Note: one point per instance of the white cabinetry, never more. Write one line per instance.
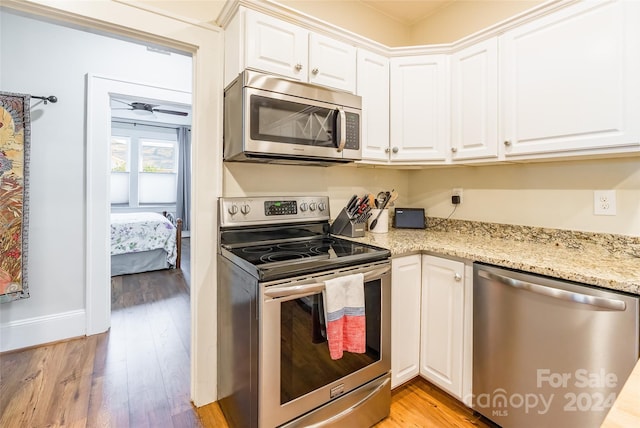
(405, 318)
(331, 63)
(445, 353)
(570, 81)
(474, 101)
(373, 86)
(256, 40)
(275, 46)
(419, 108)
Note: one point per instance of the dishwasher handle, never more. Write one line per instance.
(556, 293)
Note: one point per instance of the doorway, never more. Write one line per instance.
(51, 310)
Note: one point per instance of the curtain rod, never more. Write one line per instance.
(135, 123)
(50, 98)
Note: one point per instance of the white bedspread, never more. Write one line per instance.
(136, 232)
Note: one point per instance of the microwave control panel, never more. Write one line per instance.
(353, 131)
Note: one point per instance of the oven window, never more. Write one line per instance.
(294, 123)
(305, 364)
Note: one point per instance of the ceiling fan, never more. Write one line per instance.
(149, 108)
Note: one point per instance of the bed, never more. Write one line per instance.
(146, 241)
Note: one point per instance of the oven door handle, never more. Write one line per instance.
(316, 287)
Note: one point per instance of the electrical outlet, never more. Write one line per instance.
(457, 191)
(604, 202)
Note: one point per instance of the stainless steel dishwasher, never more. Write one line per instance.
(546, 352)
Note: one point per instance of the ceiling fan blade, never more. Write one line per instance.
(177, 113)
(123, 102)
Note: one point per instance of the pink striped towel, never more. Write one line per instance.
(345, 315)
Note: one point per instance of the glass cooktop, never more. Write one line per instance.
(288, 258)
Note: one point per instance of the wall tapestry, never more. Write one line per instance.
(14, 195)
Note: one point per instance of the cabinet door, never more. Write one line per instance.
(474, 101)
(570, 80)
(405, 318)
(419, 108)
(332, 63)
(442, 323)
(373, 87)
(275, 46)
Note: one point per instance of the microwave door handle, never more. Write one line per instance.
(343, 129)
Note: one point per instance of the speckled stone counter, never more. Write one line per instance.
(605, 260)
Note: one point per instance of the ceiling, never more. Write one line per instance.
(407, 12)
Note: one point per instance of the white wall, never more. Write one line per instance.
(555, 194)
(41, 58)
(337, 182)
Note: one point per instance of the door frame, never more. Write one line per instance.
(206, 44)
(100, 90)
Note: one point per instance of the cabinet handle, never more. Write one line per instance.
(315, 71)
(394, 150)
(457, 277)
(298, 67)
(387, 150)
(454, 149)
(507, 143)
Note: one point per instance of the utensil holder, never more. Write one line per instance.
(346, 226)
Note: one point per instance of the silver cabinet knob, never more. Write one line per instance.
(233, 209)
(394, 150)
(387, 150)
(457, 277)
(245, 209)
(454, 149)
(507, 143)
(298, 67)
(315, 71)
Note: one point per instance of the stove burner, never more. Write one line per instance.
(281, 256)
(258, 249)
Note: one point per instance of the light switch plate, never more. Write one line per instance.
(604, 202)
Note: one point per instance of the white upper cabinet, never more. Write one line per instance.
(373, 87)
(570, 81)
(331, 63)
(474, 101)
(275, 46)
(419, 108)
(279, 47)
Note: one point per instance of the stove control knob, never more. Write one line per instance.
(233, 209)
(304, 206)
(312, 206)
(322, 206)
(245, 209)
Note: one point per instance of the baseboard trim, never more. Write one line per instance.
(40, 330)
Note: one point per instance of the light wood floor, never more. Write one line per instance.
(137, 374)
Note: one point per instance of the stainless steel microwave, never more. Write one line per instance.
(278, 120)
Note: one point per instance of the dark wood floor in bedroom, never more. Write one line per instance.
(137, 374)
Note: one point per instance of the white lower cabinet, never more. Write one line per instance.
(405, 318)
(431, 323)
(442, 328)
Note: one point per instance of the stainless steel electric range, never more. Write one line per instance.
(274, 367)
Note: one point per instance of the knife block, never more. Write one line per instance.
(345, 226)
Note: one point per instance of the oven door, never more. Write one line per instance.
(293, 126)
(297, 373)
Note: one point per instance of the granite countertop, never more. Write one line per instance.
(605, 260)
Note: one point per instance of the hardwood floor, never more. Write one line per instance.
(137, 374)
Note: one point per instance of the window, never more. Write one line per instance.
(120, 161)
(144, 165)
